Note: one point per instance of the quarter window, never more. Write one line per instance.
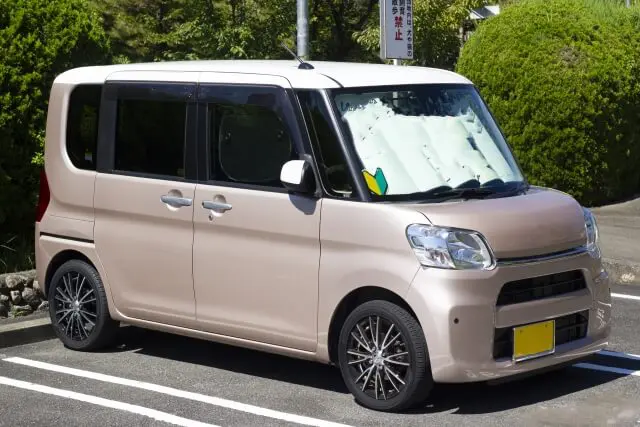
(150, 137)
(82, 125)
(329, 156)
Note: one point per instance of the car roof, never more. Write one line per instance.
(325, 74)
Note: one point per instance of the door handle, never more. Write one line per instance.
(216, 206)
(176, 201)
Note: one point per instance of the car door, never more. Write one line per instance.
(144, 195)
(256, 247)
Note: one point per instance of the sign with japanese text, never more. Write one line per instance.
(396, 29)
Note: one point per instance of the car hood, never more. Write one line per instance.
(540, 222)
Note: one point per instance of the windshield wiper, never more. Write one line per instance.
(447, 193)
(444, 192)
(464, 193)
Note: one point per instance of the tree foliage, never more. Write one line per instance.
(563, 79)
(341, 30)
(38, 40)
(150, 30)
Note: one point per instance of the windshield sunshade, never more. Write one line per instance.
(424, 137)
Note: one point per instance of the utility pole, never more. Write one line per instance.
(303, 29)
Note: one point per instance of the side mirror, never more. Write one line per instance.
(297, 176)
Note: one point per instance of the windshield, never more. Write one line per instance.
(423, 139)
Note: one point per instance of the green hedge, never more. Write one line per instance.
(563, 79)
(38, 40)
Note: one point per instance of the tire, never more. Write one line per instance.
(76, 300)
(410, 348)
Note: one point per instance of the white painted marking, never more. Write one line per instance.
(230, 404)
(619, 354)
(627, 372)
(625, 296)
(114, 404)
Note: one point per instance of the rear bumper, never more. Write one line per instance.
(461, 319)
(41, 261)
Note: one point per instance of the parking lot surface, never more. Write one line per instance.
(153, 378)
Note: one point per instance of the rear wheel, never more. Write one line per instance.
(383, 357)
(78, 307)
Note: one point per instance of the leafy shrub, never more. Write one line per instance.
(38, 40)
(563, 80)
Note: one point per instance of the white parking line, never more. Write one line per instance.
(256, 410)
(114, 404)
(619, 354)
(621, 371)
(625, 296)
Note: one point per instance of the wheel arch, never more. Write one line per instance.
(58, 260)
(350, 302)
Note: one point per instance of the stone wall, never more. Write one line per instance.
(20, 295)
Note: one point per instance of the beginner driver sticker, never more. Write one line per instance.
(377, 183)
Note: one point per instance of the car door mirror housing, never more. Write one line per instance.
(297, 176)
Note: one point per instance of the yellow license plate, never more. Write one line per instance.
(534, 340)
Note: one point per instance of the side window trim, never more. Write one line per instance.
(214, 93)
(113, 91)
(304, 99)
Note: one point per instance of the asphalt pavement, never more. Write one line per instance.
(152, 378)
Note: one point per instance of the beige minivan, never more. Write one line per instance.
(367, 216)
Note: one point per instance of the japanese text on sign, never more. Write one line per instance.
(396, 29)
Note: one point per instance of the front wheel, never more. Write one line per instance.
(383, 357)
(78, 307)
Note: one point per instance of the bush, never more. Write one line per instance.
(563, 80)
(38, 40)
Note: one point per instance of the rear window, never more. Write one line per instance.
(82, 125)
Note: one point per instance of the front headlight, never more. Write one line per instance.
(449, 248)
(591, 228)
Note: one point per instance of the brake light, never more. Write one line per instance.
(43, 197)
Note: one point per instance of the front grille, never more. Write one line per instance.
(568, 328)
(535, 288)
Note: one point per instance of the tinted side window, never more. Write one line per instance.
(150, 137)
(249, 142)
(82, 125)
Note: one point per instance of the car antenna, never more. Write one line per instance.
(303, 65)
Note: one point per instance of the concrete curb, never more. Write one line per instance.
(26, 332)
(622, 272)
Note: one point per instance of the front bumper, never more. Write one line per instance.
(461, 320)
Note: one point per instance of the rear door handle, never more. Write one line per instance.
(216, 206)
(175, 201)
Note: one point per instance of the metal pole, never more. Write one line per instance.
(397, 61)
(628, 3)
(303, 29)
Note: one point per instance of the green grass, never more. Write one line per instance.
(16, 253)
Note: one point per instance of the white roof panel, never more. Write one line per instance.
(324, 75)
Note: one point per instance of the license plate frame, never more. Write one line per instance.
(534, 340)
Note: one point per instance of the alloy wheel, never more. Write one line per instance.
(76, 309)
(378, 357)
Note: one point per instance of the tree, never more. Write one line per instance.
(148, 30)
(563, 79)
(151, 30)
(38, 40)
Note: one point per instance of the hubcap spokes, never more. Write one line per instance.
(378, 357)
(76, 310)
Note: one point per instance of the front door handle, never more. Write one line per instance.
(179, 202)
(216, 206)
